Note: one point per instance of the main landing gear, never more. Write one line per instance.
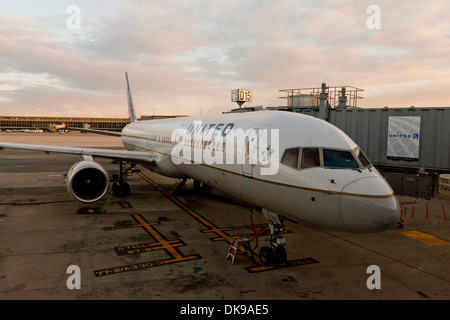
(120, 185)
(197, 185)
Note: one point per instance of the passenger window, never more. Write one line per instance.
(290, 158)
(310, 158)
(339, 159)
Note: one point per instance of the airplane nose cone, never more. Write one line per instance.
(369, 205)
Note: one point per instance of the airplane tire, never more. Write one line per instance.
(280, 255)
(267, 256)
(197, 184)
(126, 189)
(115, 189)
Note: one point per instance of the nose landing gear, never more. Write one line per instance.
(275, 254)
(269, 256)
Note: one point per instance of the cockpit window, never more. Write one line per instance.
(290, 158)
(310, 157)
(362, 158)
(339, 159)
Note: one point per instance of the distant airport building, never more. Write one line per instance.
(47, 123)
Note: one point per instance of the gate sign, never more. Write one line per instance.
(403, 138)
(240, 95)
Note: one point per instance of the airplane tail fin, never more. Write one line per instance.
(131, 112)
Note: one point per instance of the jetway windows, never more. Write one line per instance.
(339, 159)
(290, 158)
(310, 158)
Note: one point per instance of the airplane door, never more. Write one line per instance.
(250, 156)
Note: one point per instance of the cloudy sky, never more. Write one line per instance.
(185, 57)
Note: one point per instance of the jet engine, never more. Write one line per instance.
(87, 181)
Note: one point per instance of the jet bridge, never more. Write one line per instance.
(410, 146)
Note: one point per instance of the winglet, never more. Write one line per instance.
(131, 112)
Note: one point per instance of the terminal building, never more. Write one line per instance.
(49, 123)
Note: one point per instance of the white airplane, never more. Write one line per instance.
(323, 178)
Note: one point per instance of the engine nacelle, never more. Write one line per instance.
(87, 181)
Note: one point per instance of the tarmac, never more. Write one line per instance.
(160, 245)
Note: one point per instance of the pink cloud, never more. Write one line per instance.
(187, 56)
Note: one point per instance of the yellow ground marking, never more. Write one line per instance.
(161, 244)
(425, 238)
(166, 244)
(211, 227)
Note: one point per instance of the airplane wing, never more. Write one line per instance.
(145, 158)
(104, 132)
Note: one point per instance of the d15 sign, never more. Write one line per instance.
(240, 95)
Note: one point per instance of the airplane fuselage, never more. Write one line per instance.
(348, 195)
